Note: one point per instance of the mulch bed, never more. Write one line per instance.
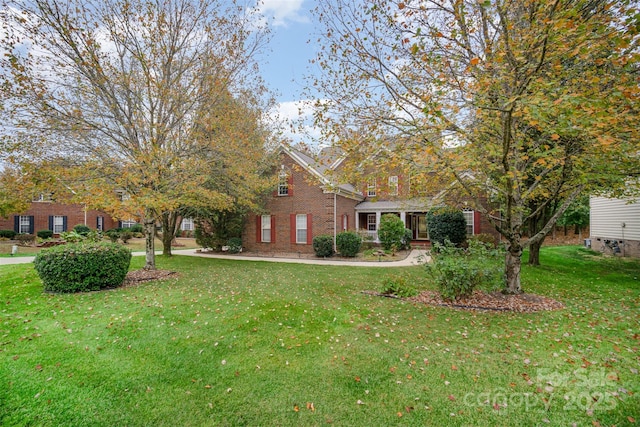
(494, 301)
(139, 276)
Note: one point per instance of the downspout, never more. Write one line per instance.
(335, 225)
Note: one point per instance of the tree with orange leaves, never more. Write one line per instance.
(527, 102)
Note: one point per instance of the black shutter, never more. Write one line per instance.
(16, 224)
(32, 222)
(51, 222)
(64, 223)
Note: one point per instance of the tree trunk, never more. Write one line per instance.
(513, 264)
(534, 253)
(150, 234)
(169, 229)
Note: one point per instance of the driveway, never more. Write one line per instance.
(416, 257)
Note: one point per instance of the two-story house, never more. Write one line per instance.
(307, 203)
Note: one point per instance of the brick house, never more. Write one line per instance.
(44, 214)
(307, 204)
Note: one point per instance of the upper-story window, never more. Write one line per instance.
(371, 188)
(393, 185)
(283, 183)
(43, 197)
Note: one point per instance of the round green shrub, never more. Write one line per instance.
(323, 246)
(8, 234)
(348, 243)
(125, 236)
(391, 231)
(447, 224)
(235, 245)
(137, 228)
(82, 229)
(113, 234)
(81, 267)
(45, 234)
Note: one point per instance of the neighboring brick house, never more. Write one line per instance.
(44, 214)
(307, 204)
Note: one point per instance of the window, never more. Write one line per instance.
(301, 228)
(371, 188)
(371, 222)
(100, 223)
(127, 224)
(468, 216)
(265, 227)
(186, 224)
(283, 184)
(393, 185)
(25, 225)
(58, 224)
(43, 197)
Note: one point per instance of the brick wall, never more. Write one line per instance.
(306, 197)
(74, 213)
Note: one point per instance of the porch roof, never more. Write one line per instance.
(412, 205)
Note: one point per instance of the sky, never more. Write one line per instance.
(287, 64)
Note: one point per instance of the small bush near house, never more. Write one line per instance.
(125, 236)
(323, 246)
(137, 228)
(486, 239)
(8, 234)
(82, 229)
(113, 235)
(235, 245)
(399, 286)
(447, 224)
(458, 271)
(348, 243)
(391, 232)
(72, 236)
(45, 234)
(25, 239)
(367, 239)
(82, 267)
(406, 239)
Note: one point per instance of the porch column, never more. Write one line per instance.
(378, 216)
(403, 217)
(357, 221)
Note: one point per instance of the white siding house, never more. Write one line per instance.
(615, 226)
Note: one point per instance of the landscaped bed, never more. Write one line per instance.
(225, 342)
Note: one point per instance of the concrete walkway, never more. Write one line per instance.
(416, 257)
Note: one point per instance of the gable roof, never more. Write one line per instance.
(319, 170)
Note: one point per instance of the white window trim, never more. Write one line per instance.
(187, 224)
(371, 188)
(393, 185)
(468, 216)
(300, 219)
(265, 232)
(25, 223)
(127, 223)
(58, 224)
(283, 184)
(372, 223)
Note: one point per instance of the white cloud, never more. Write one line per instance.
(295, 120)
(283, 11)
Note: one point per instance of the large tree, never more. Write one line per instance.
(527, 102)
(122, 89)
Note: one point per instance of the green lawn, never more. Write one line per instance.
(258, 343)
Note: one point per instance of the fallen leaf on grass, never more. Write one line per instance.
(311, 407)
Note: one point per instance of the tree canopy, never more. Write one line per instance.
(526, 102)
(131, 96)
